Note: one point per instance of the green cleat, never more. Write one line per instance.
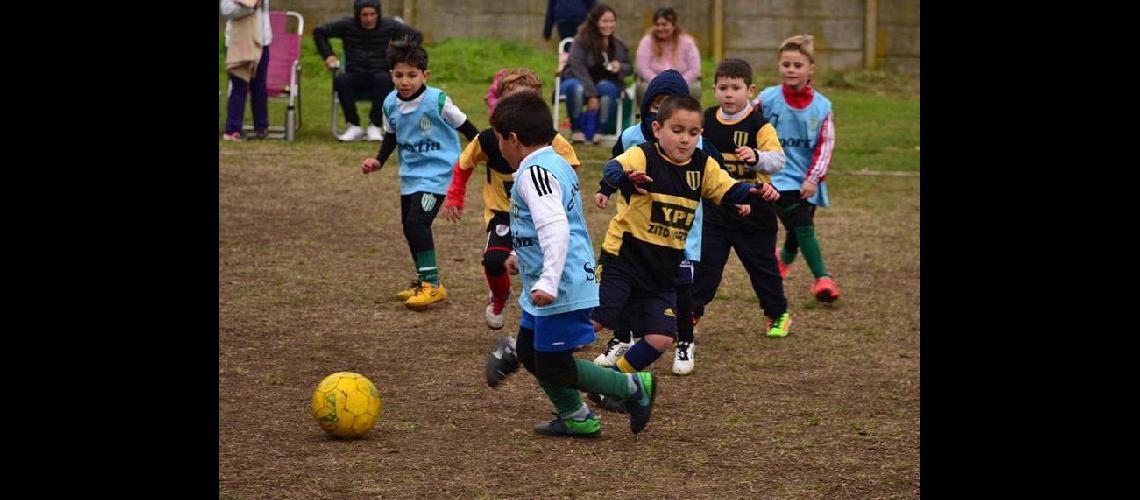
(639, 406)
(589, 427)
(780, 327)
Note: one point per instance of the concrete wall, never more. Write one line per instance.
(753, 29)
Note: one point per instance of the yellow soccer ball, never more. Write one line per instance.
(346, 404)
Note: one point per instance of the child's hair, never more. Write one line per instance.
(802, 44)
(527, 115)
(733, 68)
(678, 102)
(408, 52)
(518, 77)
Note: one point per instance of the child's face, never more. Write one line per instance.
(408, 79)
(732, 94)
(795, 69)
(679, 134)
(511, 149)
(656, 104)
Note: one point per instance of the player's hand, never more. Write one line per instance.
(744, 210)
(600, 200)
(593, 104)
(807, 189)
(747, 154)
(371, 165)
(540, 298)
(453, 213)
(766, 191)
(638, 177)
(331, 62)
(512, 264)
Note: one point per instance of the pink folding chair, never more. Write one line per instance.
(283, 80)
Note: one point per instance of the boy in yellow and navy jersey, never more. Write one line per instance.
(662, 183)
(752, 153)
(496, 200)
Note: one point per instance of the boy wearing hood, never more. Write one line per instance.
(668, 83)
(366, 36)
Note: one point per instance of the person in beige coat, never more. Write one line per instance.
(248, 35)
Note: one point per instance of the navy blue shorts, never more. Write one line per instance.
(648, 311)
(560, 332)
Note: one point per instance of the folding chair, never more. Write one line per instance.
(559, 97)
(283, 77)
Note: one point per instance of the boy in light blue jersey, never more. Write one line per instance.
(422, 121)
(804, 123)
(668, 83)
(554, 258)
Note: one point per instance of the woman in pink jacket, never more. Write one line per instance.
(667, 46)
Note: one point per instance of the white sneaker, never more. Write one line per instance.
(494, 321)
(683, 358)
(354, 133)
(374, 133)
(614, 350)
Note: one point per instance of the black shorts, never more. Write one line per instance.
(647, 311)
(499, 232)
(685, 273)
(794, 211)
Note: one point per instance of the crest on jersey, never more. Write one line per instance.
(425, 124)
(740, 138)
(502, 229)
(813, 123)
(427, 201)
(693, 179)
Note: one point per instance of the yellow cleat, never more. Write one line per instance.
(407, 293)
(427, 295)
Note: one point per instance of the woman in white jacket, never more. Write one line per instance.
(235, 107)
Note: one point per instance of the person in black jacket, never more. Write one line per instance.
(366, 36)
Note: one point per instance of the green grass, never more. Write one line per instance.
(876, 113)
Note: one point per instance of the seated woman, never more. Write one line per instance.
(667, 46)
(594, 74)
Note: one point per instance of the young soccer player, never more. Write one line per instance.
(496, 200)
(424, 120)
(803, 119)
(555, 262)
(751, 153)
(667, 83)
(662, 183)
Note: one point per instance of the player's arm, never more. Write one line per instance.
(626, 170)
(456, 118)
(566, 151)
(543, 196)
(721, 189)
(768, 156)
(461, 173)
(821, 158)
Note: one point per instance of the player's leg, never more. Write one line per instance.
(561, 376)
(614, 288)
(683, 354)
(417, 230)
(791, 244)
(800, 215)
(714, 256)
(756, 249)
(495, 255)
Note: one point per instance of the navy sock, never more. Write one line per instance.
(638, 357)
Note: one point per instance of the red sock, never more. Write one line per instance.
(500, 289)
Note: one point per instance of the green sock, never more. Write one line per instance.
(810, 247)
(593, 378)
(426, 267)
(566, 400)
(787, 257)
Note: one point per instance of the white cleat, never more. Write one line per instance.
(683, 358)
(614, 351)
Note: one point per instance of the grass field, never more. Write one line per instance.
(309, 248)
